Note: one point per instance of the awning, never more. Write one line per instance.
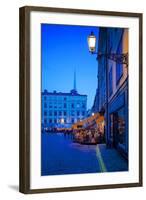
(100, 119)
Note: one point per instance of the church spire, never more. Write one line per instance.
(74, 90)
(75, 80)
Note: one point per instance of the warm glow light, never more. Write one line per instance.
(92, 114)
(62, 121)
(92, 42)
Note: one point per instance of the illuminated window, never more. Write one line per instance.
(121, 125)
(117, 127)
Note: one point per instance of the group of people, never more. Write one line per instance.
(91, 136)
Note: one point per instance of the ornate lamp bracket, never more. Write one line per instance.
(119, 58)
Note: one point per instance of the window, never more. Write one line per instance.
(72, 120)
(50, 120)
(110, 82)
(83, 113)
(45, 113)
(50, 113)
(60, 113)
(78, 105)
(45, 121)
(55, 121)
(55, 113)
(72, 113)
(117, 127)
(111, 125)
(64, 113)
(83, 105)
(78, 113)
(64, 105)
(121, 125)
(72, 105)
(45, 105)
(119, 66)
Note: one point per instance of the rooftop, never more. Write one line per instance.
(55, 93)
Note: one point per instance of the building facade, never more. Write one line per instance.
(118, 93)
(113, 87)
(62, 109)
(100, 97)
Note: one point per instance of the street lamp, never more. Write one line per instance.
(118, 58)
(92, 43)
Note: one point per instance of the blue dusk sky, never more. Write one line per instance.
(65, 50)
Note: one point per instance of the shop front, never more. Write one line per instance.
(118, 123)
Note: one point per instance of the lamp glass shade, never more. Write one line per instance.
(92, 42)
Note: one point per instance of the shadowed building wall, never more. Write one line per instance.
(117, 129)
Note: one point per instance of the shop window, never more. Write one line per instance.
(117, 127)
(121, 125)
(111, 125)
